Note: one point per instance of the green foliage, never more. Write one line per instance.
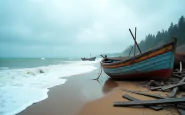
(163, 37)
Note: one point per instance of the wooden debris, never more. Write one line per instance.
(150, 102)
(169, 86)
(145, 94)
(181, 106)
(153, 83)
(155, 88)
(176, 75)
(176, 89)
(183, 72)
(181, 111)
(174, 92)
(157, 108)
(172, 86)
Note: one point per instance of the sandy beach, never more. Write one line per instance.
(81, 95)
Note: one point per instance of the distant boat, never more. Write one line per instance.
(156, 64)
(89, 59)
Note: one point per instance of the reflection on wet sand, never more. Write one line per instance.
(109, 85)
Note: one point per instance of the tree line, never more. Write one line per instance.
(162, 37)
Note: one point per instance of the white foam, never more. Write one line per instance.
(20, 88)
(4, 68)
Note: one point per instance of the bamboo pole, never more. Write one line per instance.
(135, 41)
(130, 51)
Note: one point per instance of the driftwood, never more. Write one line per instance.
(145, 94)
(153, 83)
(172, 86)
(155, 88)
(169, 86)
(183, 72)
(174, 92)
(181, 106)
(181, 111)
(157, 108)
(150, 102)
(176, 89)
(176, 75)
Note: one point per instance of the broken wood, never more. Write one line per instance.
(155, 88)
(153, 83)
(157, 108)
(168, 86)
(181, 106)
(172, 86)
(181, 111)
(145, 94)
(176, 89)
(150, 102)
(174, 92)
(179, 76)
(183, 72)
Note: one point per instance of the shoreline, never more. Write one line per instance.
(81, 95)
(60, 97)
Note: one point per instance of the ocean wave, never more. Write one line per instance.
(32, 84)
(4, 68)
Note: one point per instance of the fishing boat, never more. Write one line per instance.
(155, 64)
(89, 59)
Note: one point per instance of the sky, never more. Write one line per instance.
(76, 28)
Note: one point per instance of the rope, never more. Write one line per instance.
(99, 74)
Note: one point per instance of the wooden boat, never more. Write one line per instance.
(154, 64)
(89, 59)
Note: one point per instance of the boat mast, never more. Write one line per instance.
(130, 51)
(135, 41)
(135, 44)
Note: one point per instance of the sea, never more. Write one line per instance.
(25, 81)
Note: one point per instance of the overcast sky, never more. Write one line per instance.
(67, 28)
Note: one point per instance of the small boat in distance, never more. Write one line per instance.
(89, 59)
(155, 64)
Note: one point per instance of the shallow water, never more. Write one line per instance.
(21, 86)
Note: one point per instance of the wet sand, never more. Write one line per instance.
(81, 95)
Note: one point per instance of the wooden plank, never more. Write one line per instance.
(169, 86)
(150, 102)
(181, 106)
(179, 72)
(172, 86)
(175, 90)
(155, 88)
(179, 76)
(181, 111)
(157, 108)
(145, 94)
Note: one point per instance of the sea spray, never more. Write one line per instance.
(20, 88)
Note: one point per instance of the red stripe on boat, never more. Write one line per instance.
(157, 75)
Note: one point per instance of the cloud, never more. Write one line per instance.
(43, 26)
